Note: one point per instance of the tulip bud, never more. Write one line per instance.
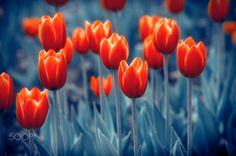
(175, 6)
(52, 69)
(32, 107)
(7, 91)
(191, 57)
(68, 49)
(31, 26)
(133, 79)
(52, 32)
(95, 85)
(80, 40)
(113, 50)
(96, 32)
(166, 35)
(56, 2)
(113, 5)
(218, 10)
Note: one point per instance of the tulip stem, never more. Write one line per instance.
(118, 112)
(2, 141)
(134, 126)
(56, 119)
(85, 86)
(100, 84)
(189, 152)
(116, 21)
(31, 141)
(166, 98)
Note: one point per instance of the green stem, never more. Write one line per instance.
(31, 141)
(100, 84)
(166, 98)
(134, 126)
(189, 152)
(56, 119)
(118, 112)
(85, 86)
(116, 21)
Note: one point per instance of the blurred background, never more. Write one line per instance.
(19, 53)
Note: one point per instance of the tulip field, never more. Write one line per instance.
(118, 78)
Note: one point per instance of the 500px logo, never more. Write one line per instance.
(22, 135)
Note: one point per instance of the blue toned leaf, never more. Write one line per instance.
(108, 148)
(126, 142)
(177, 149)
(77, 147)
(231, 149)
(41, 147)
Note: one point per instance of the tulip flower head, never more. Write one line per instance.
(52, 69)
(32, 107)
(80, 40)
(166, 35)
(7, 91)
(133, 79)
(191, 57)
(146, 25)
(175, 6)
(153, 57)
(95, 85)
(96, 32)
(113, 5)
(56, 2)
(52, 32)
(218, 10)
(31, 26)
(113, 50)
(68, 49)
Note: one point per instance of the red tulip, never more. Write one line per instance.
(7, 91)
(52, 32)
(95, 85)
(96, 32)
(229, 27)
(57, 2)
(80, 40)
(68, 49)
(31, 26)
(175, 6)
(153, 57)
(113, 50)
(191, 57)
(218, 10)
(166, 35)
(32, 107)
(133, 79)
(113, 5)
(146, 25)
(52, 69)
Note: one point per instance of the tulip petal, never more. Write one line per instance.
(61, 70)
(107, 85)
(143, 73)
(47, 35)
(94, 85)
(51, 66)
(181, 54)
(104, 52)
(118, 52)
(202, 49)
(193, 62)
(121, 70)
(136, 63)
(131, 82)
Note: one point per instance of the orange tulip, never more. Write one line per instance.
(52, 69)
(52, 32)
(7, 91)
(191, 57)
(218, 10)
(31, 26)
(229, 27)
(153, 57)
(57, 2)
(166, 35)
(68, 49)
(113, 5)
(146, 25)
(95, 85)
(113, 50)
(80, 40)
(32, 107)
(96, 32)
(133, 79)
(175, 6)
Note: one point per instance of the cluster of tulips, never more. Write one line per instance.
(160, 36)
